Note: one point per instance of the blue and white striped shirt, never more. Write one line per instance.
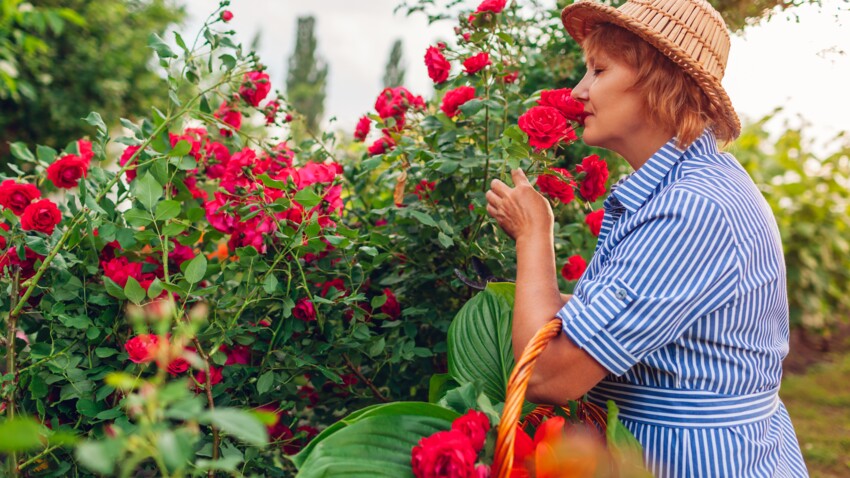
(685, 303)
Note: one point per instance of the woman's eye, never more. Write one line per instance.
(597, 71)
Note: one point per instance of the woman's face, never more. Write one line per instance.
(616, 114)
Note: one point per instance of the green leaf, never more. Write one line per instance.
(160, 47)
(166, 210)
(147, 190)
(99, 456)
(270, 284)
(95, 120)
(239, 423)
(134, 291)
(445, 240)
(104, 352)
(620, 439)
(180, 149)
(423, 218)
(471, 107)
(45, 154)
(438, 385)
(195, 269)
(19, 150)
(375, 442)
(19, 434)
(265, 382)
(155, 289)
(308, 198)
(479, 340)
(137, 218)
(114, 289)
(87, 407)
(37, 244)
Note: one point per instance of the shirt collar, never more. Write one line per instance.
(636, 188)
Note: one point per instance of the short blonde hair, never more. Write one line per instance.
(672, 98)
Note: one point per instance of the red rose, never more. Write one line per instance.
(17, 196)
(456, 97)
(226, 16)
(229, 116)
(255, 87)
(562, 100)
(391, 307)
(66, 171)
(544, 126)
(594, 221)
(475, 426)
(27, 264)
(574, 268)
(238, 354)
(142, 348)
(270, 111)
(511, 77)
(381, 146)
(494, 6)
(337, 284)
(5, 227)
(362, 128)
(466, 36)
(444, 454)
(396, 101)
(438, 66)
(555, 187)
(423, 188)
(304, 310)
(85, 151)
(201, 377)
(41, 216)
(125, 158)
(596, 175)
(177, 366)
(119, 269)
(476, 63)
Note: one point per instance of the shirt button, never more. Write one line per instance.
(621, 294)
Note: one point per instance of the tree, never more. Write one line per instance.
(307, 76)
(394, 73)
(99, 64)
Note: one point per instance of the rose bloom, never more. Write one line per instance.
(444, 454)
(555, 187)
(142, 348)
(574, 268)
(85, 151)
(270, 111)
(423, 188)
(5, 227)
(544, 125)
(594, 221)
(26, 265)
(476, 63)
(226, 16)
(455, 98)
(475, 426)
(255, 87)
(119, 269)
(438, 66)
(562, 100)
(229, 116)
(396, 101)
(17, 196)
(596, 174)
(41, 216)
(362, 128)
(66, 171)
(125, 158)
(304, 310)
(177, 366)
(494, 6)
(381, 146)
(511, 77)
(391, 307)
(201, 377)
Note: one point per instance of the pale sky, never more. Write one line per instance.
(804, 66)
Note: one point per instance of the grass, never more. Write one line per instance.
(819, 404)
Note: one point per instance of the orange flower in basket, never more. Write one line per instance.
(557, 452)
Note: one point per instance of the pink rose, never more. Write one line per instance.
(229, 116)
(226, 16)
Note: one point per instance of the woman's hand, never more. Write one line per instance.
(521, 210)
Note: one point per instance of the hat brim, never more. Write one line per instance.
(581, 17)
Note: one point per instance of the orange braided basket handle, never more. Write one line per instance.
(515, 396)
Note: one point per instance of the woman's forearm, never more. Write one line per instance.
(537, 296)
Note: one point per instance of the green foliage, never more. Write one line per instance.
(394, 71)
(810, 198)
(74, 56)
(307, 75)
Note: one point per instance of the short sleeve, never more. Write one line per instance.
(677, 261)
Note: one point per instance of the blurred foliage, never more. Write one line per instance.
(307, 76)
(70, 57)
(394, 71)
(810, 197)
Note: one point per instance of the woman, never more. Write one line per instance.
(681, 317)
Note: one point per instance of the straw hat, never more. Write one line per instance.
(689, 32)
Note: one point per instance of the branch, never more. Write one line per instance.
(364, 379)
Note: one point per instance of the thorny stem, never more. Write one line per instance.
(208, 386)
(12, 325)
(365, 380)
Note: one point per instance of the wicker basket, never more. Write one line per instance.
(515, 396)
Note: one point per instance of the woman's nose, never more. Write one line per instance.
(580, 90)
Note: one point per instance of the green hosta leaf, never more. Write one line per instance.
(167, 210)
(619, 437)
(479, 340)
(238, 423)
(374, 441)
(195, 269)
(147, 190)
(134, 291)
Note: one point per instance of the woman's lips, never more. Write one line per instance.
(582, 117)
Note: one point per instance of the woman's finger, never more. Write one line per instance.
(519, 177)
(499, 187)
(491, 210)
(492, 197)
